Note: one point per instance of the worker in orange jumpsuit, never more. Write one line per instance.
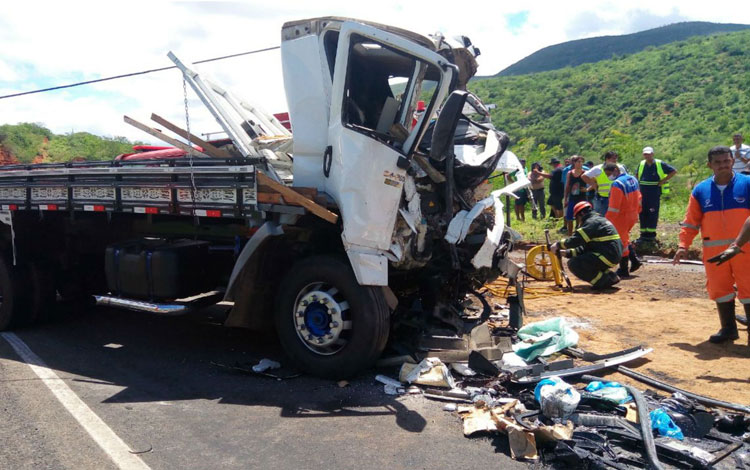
(623, 210)
(719, 207)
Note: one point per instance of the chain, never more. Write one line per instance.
(193, 188)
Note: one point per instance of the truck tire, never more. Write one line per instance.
(14, 297)
(328, 324)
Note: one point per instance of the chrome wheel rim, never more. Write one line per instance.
(322, 319)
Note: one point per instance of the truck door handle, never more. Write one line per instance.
(327, 159)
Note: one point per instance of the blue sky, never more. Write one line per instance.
(516, 21)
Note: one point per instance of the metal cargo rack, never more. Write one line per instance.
(203, 187)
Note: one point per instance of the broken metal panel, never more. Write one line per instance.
(225, 119)
(603, 365)
(371, 269)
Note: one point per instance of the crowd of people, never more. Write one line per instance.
(718, 208)
(574, 180)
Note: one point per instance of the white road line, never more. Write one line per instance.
(110, 443)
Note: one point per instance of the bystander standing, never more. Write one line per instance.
(741, 154)
(537, 190)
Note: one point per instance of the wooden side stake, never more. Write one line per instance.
(292, 196)
(207, 147)
(161, 136)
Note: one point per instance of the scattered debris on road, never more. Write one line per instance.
(503, 380)
(279, 373)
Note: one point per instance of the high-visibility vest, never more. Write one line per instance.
(603, 183)
(659, 171)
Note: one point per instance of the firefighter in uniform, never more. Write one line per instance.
(719, 207)
(593, 249)
(624, 207)
(653, 177)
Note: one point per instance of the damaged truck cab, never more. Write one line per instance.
(415, 217)
(348, 84)
(386, 211)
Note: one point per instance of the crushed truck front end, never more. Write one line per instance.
(418, 219)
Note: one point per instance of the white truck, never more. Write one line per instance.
(326, 234)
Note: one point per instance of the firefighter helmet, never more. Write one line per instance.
(581, 206)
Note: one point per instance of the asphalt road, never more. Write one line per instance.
(155, 382)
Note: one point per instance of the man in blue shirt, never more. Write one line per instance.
(653, 175)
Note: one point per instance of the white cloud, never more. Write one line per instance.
(54, 43)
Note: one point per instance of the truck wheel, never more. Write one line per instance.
(43, 295)
(328, 324)
(13, 297)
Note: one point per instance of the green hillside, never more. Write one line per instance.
(27, 143)
(581, 51)
(681, 98)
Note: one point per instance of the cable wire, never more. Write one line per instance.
(133, 74)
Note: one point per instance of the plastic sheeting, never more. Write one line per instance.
(544, 338)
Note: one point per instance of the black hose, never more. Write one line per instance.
(449, 183)
(645, 420)
(666, 387)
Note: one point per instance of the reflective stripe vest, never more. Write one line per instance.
(659, 171)
(603, 183)
(719, 215)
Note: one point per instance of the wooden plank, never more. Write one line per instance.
(268, 196)
(292, 196)
(309, 193)
(273, 198)
(161, 136)
(207, 147)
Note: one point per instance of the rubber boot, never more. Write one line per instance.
(635, 263)
(742, 319)
(728, 331)
(608, 280)
(623, 271)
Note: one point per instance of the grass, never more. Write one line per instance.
(671, 213)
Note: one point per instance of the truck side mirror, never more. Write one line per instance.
(445, 127)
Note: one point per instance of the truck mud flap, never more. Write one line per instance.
(268, 229)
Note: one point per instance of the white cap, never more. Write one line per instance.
(648, 150)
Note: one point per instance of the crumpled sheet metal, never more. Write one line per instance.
(477, 420)
(431, 371)
(521, 439)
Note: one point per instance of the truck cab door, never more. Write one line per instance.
(376, 84)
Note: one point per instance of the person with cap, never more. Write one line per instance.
(741, 154)
(596, 177)
(593, 249)
(719, 207)
(653, 178)
(556, 189)
(623, 208)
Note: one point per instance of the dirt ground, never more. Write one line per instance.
(664, 307)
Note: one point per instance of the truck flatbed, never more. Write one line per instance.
(202, 188)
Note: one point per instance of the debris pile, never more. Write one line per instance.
(531, 385)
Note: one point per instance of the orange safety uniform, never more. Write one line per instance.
(624, 207)
(719, 215)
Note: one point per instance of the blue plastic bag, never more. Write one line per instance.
(556, 398)
(663, 423)
(611, 391)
